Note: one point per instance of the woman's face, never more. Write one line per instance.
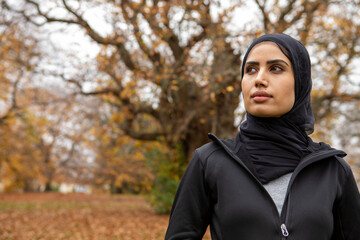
(268, 83)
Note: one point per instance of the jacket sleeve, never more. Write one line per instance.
(347, 210)
(190, 214)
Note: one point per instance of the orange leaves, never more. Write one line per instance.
(120, 160)
(212, 97)
(173, 87)
(229, 88)
(129, 91)
(79, 217)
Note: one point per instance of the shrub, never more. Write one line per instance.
(168, 167)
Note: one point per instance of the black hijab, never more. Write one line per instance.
(276, 145)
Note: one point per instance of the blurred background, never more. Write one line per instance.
(113, 96)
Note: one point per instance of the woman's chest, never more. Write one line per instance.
(240, 202)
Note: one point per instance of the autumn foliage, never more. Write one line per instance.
(165, 73)
(79, 217)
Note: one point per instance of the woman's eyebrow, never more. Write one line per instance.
(252, 63)
(276, 61)
(268, 62)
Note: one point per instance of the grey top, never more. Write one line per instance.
(277, 189)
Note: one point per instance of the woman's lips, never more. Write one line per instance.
(260, 96)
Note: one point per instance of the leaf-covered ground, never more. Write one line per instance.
(78, 216)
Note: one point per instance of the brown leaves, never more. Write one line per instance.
(79, 217)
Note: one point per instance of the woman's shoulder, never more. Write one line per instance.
(336, 154)
(344, 165)
(207, 150)
(217, 144)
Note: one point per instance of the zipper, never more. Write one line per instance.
(277, 215)
(284, 231)
(308, 160)
(311, 158)
(285, 209)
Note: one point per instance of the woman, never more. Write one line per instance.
(271, 181)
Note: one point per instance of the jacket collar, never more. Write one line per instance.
(318, 152)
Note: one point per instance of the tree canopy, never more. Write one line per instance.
(168, 72)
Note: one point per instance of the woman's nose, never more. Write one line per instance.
(261, 79)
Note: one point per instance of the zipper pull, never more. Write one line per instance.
(284, 230)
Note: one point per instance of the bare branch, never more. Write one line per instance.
(287, 10)
(309, 10)
(104, 91)
(14, 106)
(187, 120)
(79, 20)
(166, 34)
(319, 101)
(143, 107)
(128, 130)
(152, 55)
(266, 19)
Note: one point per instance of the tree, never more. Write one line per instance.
(17, 52)
(32, 115)
(193, 95)
(178, 62)
(16, 55)
(120, 161)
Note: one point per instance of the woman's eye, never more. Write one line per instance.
(277, 69)
(250, 70)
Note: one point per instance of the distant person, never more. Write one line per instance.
(271, 181)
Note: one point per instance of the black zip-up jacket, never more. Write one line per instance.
(220, 189)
